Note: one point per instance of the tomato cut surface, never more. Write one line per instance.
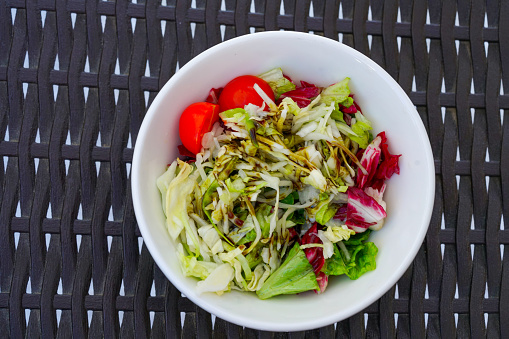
(196, 120)
(240, 92)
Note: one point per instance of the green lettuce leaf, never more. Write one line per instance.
(337, 115)
(291, 198)
(297, 217)
(250, 236)
(358, 238)
(240, 212)
(347, 102)
(362, 260)
(277, 81)
(361, 128)
(362, 257)
(291, 106)
(323, 196)
(238, 113)
(340, 122)
(325, 213)
(337, 93)
(362, 131)
(335, 265)
(295, 275)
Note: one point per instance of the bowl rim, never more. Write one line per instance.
(253, 323)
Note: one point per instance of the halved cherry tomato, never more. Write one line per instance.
(240, 92)
(196, 120)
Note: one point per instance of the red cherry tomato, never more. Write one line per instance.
(240, 92)
(196, 120)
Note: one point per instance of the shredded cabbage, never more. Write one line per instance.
(217, 281)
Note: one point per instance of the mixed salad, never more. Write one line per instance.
(279, 187)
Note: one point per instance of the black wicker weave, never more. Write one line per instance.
(76, 78)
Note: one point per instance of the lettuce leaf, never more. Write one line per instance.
(335, 264)
(337, 115)
(250, 236)
(337, 93)
(361, 128)
(297, 217)
(291, 198)
(362, 260)
(291, 106)
(357, 238)
(277, 81)
(295, 275)
(325, 213)
(235, 115)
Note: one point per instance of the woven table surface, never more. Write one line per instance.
(76, 78)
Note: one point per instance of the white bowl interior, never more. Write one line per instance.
(409, 196)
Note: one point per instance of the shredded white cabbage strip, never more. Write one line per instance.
(265, 97)
(282, 221)
(303, 247)
(328, 247)
(283, 205)
(272, 182)
(258, 228)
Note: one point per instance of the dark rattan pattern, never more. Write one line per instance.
(76, 78)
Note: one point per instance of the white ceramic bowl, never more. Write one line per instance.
(318, 60)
